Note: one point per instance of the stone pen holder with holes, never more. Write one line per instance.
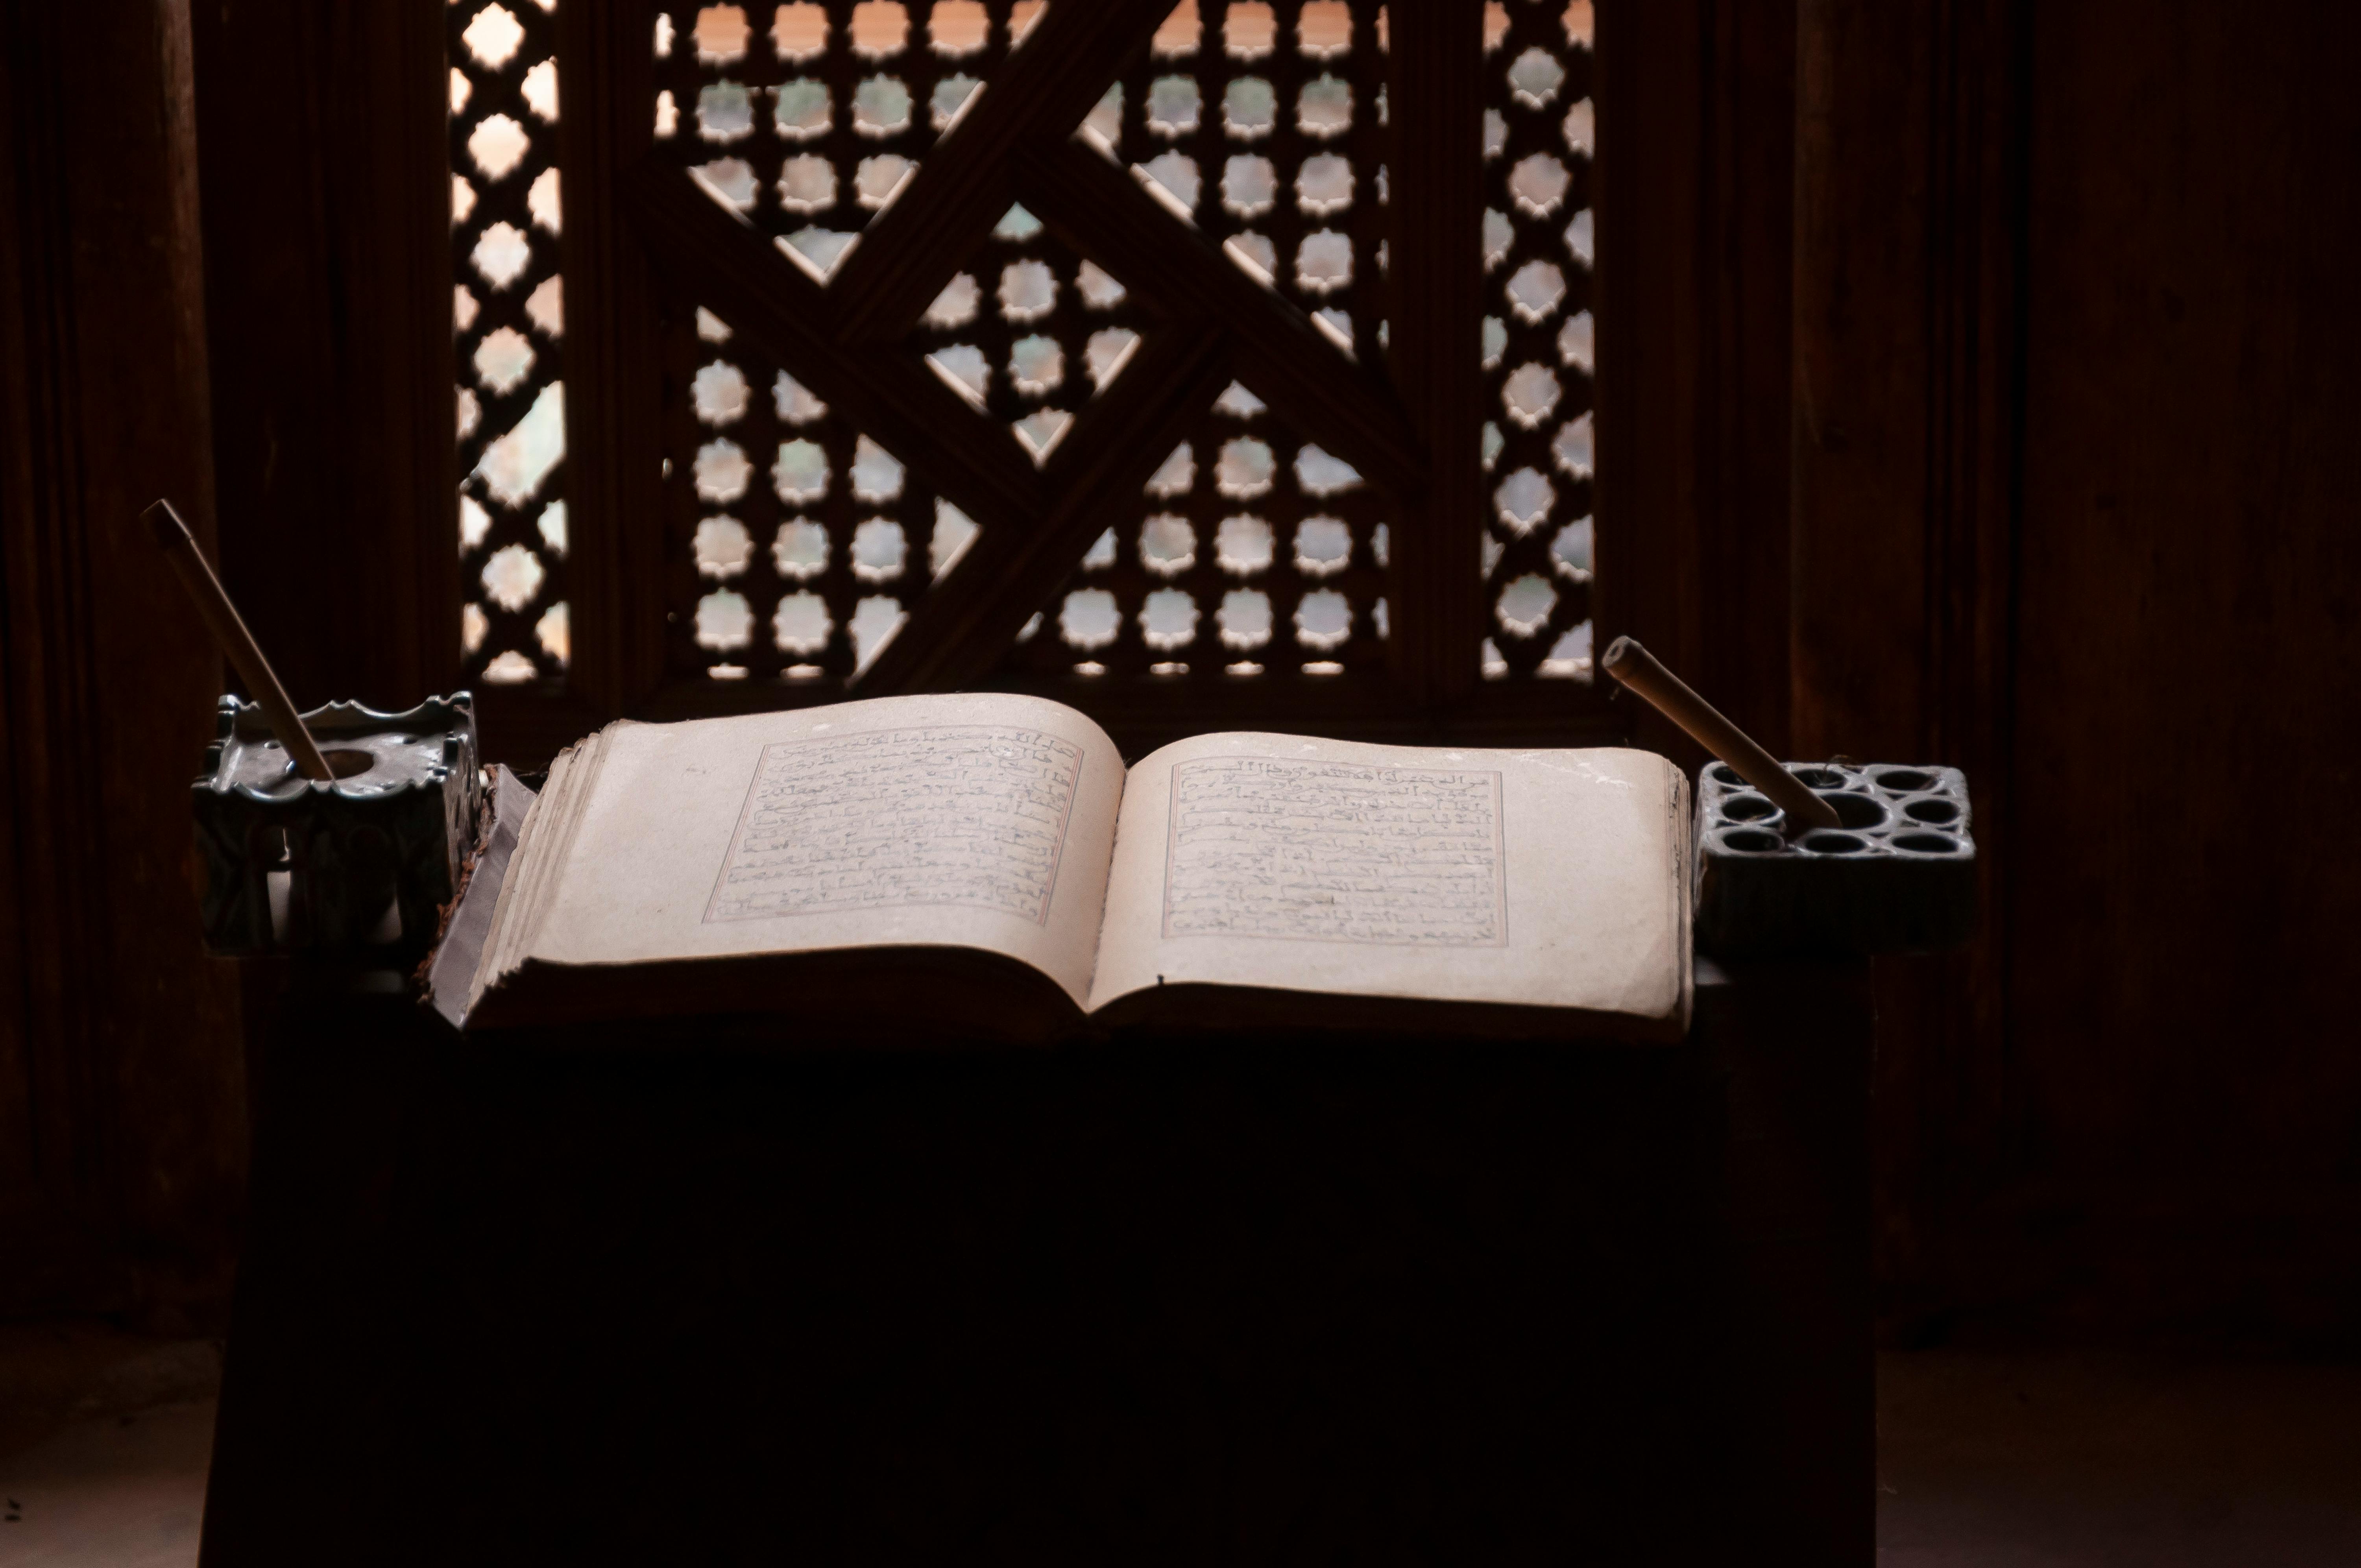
(1897, 875)
(356, 867)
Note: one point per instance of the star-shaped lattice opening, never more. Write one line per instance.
(1264, 125)
(1251, 554)
(809, 119)
(508, 327)
(1027, 333)
(1540, 436)
(800, 544)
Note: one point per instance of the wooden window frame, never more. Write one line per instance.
(1693, 188)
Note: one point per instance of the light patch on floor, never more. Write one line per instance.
(122, 1491)
(1985, 1460)
(2074, 1459)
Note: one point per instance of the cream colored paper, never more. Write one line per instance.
(975, 820)
(1545, 878)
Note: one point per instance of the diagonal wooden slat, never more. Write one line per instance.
(719, 259)
(911, 249)
(960, 628)
(1100, 210)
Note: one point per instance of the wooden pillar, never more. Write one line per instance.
(1909, 201)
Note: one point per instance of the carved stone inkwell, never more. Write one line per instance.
(1897, 874)
(1815, 861)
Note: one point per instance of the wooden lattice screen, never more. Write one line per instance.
(1217, 364)
(508, 312)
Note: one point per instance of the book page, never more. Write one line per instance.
(974, 821)
(1544, 878)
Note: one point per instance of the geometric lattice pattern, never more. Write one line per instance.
(1027, 333)
(509, 318)
(796, 545)
(799, 543)
(1264, 124)
(1252, 553)
(1539, 247)
(809, 119)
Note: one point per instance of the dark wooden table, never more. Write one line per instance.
(1162, 1299)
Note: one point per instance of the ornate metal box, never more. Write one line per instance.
(357, 866)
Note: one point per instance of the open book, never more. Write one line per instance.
(988, 861)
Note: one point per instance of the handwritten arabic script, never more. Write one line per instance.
(967, 814)
(1335, 853)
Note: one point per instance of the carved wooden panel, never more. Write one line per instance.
(795, 543)
(1540, 245)
(1027, 333)
(1266, 124)
(809, 118)
(1055, 347)
(508, 312)
(1250, 551)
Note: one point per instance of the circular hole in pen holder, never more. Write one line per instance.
(1903, 780)
(1926, 843)
(1748, 809)
(1826, 841)
(1751, 841)
(1935, 810)
(1723, 774)
(1857, 810)
(1820, 778)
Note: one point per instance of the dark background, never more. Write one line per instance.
(1986, 390)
